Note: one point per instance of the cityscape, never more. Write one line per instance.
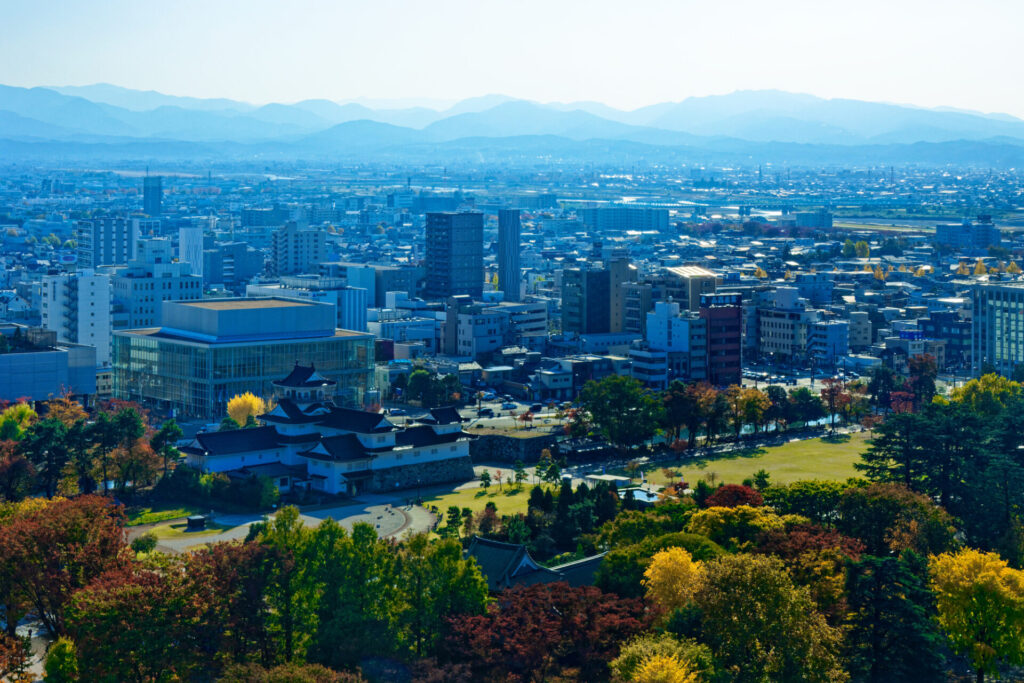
(406, 385)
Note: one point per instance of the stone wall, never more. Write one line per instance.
(498, 448)
(422, 474)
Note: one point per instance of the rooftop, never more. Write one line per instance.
(243, 304)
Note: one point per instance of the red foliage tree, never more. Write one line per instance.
(795, 541)
(533, 632)
(17, 475)
(732, 495)
(52, 551)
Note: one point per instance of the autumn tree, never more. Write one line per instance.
(44, 444)
(672, 579)
(731, 495)
(888, 518)
(164, 439)
(17, 474)
(761, 627)
(242, 407)
(980, 602)
(639, 651)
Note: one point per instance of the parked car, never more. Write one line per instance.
(398, 412)
(485, 412)
(508, 405)
(536, 408)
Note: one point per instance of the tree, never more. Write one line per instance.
(862, 249)
(762, 627)
(62, 662)
(286, 673)
(923, 371)
(641, 649)
(485, 479)
(681, 410)
(15, 656)
(664, 669)
(672, 579)
(243, 406)
(806, 405)
(888, 518)
(45, 446)
(896, 453)
(52, 550)
(731, 495)
(980, 602)
(814, 499)
(849, 248)
(891, 632)
(65, 409)
(520, 473)
(361, 597)
(15, 419)
(881, 384)
(437, 584)
(164, 440)
(987, 395)
(620, 408)
(533, 632)
(17, 475)
(835, 397)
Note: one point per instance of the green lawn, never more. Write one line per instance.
(804, 459)
(138, 515)
(177, 530)
(509, 501)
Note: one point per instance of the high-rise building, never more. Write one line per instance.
(140, 288)
(724, 317)
(625, 218)
(997, 332)
(297, 250)
(106, 241)
(454, 254)
(190, 248)
(152, 195)
(77, 307)
(586, 300)
(509, 227)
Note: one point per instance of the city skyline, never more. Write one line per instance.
(564, 52)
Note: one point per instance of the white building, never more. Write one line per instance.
(190, 248)
(77, 307)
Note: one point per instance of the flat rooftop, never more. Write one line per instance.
(243, 304)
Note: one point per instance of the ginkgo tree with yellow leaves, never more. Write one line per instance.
(245, 406)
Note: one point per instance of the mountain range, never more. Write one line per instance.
(102, 118)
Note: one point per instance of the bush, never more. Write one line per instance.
(188, 485)
(61, 662)
(286, 673)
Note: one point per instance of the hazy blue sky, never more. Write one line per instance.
(627, 53)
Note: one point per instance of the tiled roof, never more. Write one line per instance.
(235, 441)
(358, 421)
(340, 449)
(424, 435)
(446, 415)
(302, 376)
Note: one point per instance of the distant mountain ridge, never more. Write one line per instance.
(745, 120)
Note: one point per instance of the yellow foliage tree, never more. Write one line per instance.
(760, 273)
(241, 407)
(962, 269)
(879, 273)
(1013, 268)
(663, 669)
(980, 602)
(920, 272)
(788, 275)
(979, 267)
(672, 578)
(867, 268)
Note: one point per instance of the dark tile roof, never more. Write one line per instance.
(294, 414)
(234, 441)
(358, 421)
(507, 564)
(581, 572)
(301, 376)
(340, 449)
(446, 416)
(424, 435)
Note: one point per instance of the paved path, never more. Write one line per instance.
(389, 514)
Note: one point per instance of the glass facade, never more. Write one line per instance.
(195, 379)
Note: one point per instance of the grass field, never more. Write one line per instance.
(804, 459)
(138, 515)
(509, 501)
(177, 530)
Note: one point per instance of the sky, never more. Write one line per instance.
(624, 53)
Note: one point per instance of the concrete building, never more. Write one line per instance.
(140, 288)
(351, 303)
(190, 248)
(783, 326)
(208, 351)
(723, 316)
(828, 342)
(997, 333)
(624, 218)
(152, 195)
(684, 285)
(586, 300)
(231, 264)
(77, 307)
(297, 250)
(454, 254)
(509, 273)
(637, 302)
(34, 365)
(106, 241)
(860, 331)
(968, 236)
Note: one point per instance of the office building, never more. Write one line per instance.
(454, 254)
(968, 236)
(351, 303)
(106, 241)
(586, 300)
(77, 307)
(723, 316)
(684, 285)
(624, 218)
(509, 273)
(152, 195)
(828, 342)
(231, 264)
(190, 248)
(140, 288)
(998, 327)
(297, 250)
(34, 365)
(210, 350)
